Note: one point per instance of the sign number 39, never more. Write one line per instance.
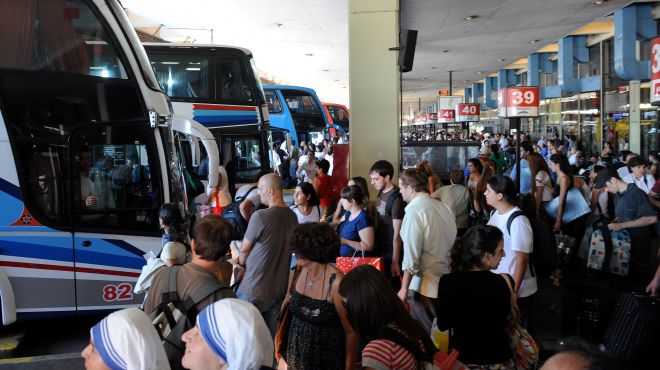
(518, 97)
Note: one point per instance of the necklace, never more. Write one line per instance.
(311, 282)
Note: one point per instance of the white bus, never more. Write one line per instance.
(88, 156)
(218, 87)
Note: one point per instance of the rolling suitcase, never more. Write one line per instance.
(633, 334)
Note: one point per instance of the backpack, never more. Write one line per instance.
(543, 259)
(174, 316)
(232, 213)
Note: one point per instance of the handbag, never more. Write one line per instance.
(525, 350)
(565, 247)
(346, 264)
(284, 321)
(576, 206)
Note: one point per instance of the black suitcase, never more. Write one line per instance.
(633, 334)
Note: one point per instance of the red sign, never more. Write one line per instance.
(655, 70)
(518, 102)
(446, 115)
(468, 112)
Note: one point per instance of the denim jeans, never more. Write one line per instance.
(269, 309)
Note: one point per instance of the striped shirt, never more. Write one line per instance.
(383, 354)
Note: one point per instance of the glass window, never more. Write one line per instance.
(113, 187)
(233, 81)
(65, 36)
(249, 159)
(301, 102)
(274, 105)
(339, 115)
(182, 76)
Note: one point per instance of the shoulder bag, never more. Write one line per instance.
(284, 321)
(525, 350)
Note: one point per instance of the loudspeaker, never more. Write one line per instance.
(407, 42)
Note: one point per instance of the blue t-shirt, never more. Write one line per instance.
(350, 230)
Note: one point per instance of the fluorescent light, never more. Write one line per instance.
(193, 69)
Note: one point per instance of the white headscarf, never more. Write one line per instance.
(126, 340)
(237, 333)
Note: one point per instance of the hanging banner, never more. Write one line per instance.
(520, 101)
(655, 70)
(467, 112)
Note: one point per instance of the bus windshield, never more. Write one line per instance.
(218, 87)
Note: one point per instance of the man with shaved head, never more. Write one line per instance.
(265, 253)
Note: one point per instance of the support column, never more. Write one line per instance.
(374, 84)
(635, 128)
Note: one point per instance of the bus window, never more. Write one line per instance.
(233, 81)
(113, 187)
(302, 103)
(183, 77)
(274, 105)
(62, 39)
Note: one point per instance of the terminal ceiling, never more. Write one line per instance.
(503, 32)
(305, 42)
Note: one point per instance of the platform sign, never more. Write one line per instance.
(446, 115)
(518, 102)
(468, 112)
(432, 118)
(655, 70)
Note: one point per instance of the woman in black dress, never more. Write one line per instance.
(320, 336)
(475, 303)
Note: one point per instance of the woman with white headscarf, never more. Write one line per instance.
(230, 334)
(125, 340)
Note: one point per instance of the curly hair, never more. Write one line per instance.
(212, 235)
(315, 241)
(469, 250)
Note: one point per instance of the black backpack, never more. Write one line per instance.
(543, 259)
(174, 316)
(232, 213)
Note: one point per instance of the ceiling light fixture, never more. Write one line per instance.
(501, 59)
(471, 17)
(434, 67)
(277, 25)
(534, 41)
(479, 73)
(309, 55)
(444, 51)
(326, 70)
(599, 2)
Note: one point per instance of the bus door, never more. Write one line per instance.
(243, 156)
(115, 198)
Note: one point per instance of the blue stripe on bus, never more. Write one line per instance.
(47, 252)
(126, 246)
(223, 113)
(105, 259)
(11, 189)
(59, 249)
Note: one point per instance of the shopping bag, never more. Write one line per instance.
(447, 361)
(576, 206)
(346, 264)
(609, 251)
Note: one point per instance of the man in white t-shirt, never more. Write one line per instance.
(518, 240)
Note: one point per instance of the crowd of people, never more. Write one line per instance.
(448, 251)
